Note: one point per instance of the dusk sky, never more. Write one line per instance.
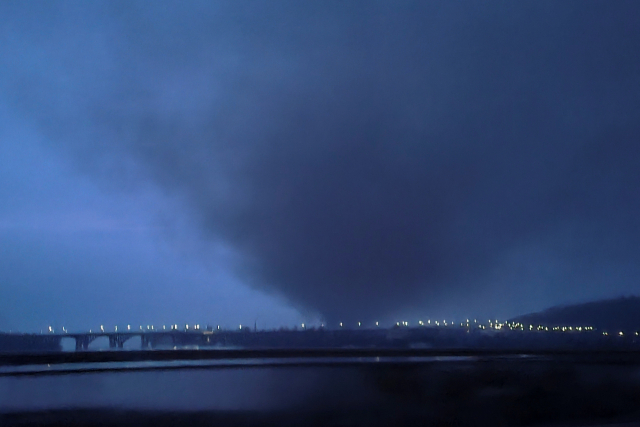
(281, 162)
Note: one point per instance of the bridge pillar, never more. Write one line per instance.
(82, 342)
(120, 339)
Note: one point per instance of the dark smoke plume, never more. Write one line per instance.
(361, 157)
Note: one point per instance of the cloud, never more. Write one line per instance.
(364, 158)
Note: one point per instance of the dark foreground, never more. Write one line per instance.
(560, 389)
(359, 417)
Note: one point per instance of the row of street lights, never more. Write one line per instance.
(491, 324)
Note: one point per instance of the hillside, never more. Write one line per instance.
(620, 314)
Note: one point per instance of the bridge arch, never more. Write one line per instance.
(132, 342)
(68, 344)
(99, 343)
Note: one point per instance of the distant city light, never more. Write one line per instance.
(359, 323)
(341, 324)
(378, 325)
(302, 325)
(128, 327)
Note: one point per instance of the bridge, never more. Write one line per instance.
(148, 339)
(244, 338)
(117, 339)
